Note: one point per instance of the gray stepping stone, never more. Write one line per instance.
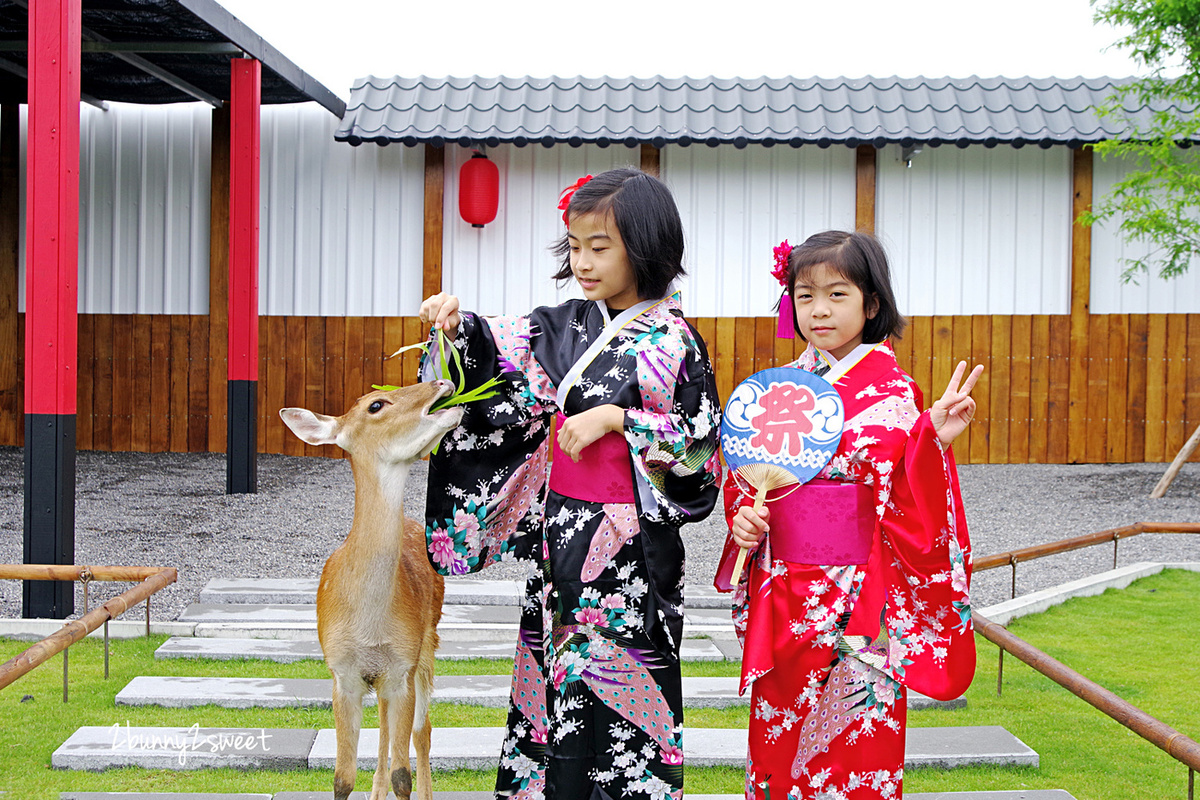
(181, 692)
(479, 690)
(260, 590)
(701, 649)
(299, 620)
(159, 796)
(1024, 794)
(479, 748)
(470, 591)
(225, 648)
(1044, 794)
(455, 796)
(279, 650)
(959, 747)
(96, 748)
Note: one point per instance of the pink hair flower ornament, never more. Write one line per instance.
(784, 327)
(564, 199)
(782, 251)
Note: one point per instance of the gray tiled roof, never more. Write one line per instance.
(792, 111)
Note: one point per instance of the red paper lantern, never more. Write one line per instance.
(478, 190)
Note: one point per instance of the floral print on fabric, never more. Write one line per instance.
(831, 725)
(596, 701)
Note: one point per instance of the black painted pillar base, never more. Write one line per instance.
(49, 512)
(241, 450)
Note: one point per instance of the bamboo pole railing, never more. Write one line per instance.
(151, 580)
(1175, 744)
(1163, 736)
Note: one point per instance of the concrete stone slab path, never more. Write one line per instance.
(1051, 794)
(479, 690)
(1044, 794)
(225, 648)
(481, 621)
(96, 748)
(471, 591)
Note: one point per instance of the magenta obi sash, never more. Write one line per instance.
(603, 473)
(824, 522)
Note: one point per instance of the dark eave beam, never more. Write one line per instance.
(147, 67)
(173, 48)
(20, 71)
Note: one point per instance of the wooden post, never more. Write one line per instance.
(241, 455)
(435, 193)
(218, 281)
(1183, 455)
(865, 167)
(51, 292)
(10, 334)
(1081, 287)
(651, 160)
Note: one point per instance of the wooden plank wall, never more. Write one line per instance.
(146, 383)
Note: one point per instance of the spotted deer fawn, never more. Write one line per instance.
(379, 601)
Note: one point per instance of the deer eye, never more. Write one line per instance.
(374, 407)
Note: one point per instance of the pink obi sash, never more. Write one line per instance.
(823, 522)
(603, 473)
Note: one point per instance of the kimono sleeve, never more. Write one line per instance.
(675, 436)
(487, 479)
(932, 642)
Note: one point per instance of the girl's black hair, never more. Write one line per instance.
(647, 219)
(859, 258)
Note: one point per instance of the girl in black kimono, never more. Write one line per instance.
(596, 705)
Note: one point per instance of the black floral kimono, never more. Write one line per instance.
(596, 708)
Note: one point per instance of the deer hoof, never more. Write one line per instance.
(342, 788)
(402, 783)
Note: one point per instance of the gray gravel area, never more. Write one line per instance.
(170, 509)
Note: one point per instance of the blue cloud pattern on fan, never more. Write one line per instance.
(785, 417)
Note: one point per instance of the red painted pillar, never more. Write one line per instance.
(51, 299)
(241, 454)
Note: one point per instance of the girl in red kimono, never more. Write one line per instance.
(849, 638)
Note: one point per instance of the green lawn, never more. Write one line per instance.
(1115, 639)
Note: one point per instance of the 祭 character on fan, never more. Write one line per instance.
(596, 709)
(857, 578)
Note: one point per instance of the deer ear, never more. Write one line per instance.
(310, 427)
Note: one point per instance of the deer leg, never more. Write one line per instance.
(423, 687)
(347, 720)
(379, 786)
(400, 722)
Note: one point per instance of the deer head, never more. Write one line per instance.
(392, 427)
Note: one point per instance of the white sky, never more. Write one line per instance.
(338, 42)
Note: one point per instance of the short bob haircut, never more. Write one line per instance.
(647, 219)
(859, 258)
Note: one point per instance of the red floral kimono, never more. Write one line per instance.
(829, 723)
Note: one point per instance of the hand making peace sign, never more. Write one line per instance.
(952, 413)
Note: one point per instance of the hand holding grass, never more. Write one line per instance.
(441, 311)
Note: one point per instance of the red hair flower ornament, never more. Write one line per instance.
(564, 199)
(785, 329)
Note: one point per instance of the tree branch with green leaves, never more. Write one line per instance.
(1157, 203)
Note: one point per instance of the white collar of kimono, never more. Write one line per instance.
(612, 326)
(837, 369)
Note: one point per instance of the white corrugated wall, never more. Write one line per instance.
(1151, 294)
(143, 209)
(969, 231)
(737, 205)
(977, 230)
(341, 227)
(505, 267)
